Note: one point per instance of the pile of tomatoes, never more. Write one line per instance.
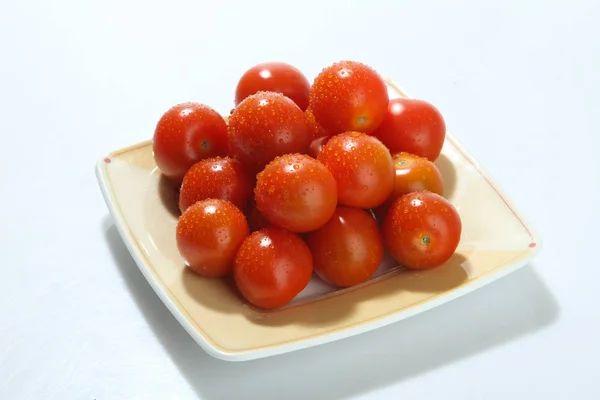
(305, 178)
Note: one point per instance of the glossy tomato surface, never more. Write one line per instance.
(218, 178)
(208, 235)
(186, 134)
(422, 230)
(349, 96)
(348, 249)
(296, 192)
(271, 267)
(413, 174)
(316, 146)
(362, 167)
(316, 129)
(264, 126)
(274, 77)
(413, 126)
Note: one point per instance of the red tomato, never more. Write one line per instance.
(186, 134)
(216, 178)
(256, 220)
(413, 126)
(349, 96)
(274, 77)
(316, 129)
(362, 167)
(271, 267)
(264, 126)
(208, 236)
(413, 174)
(422, 230)
(316, 146)
(348, 249)
(296, 192)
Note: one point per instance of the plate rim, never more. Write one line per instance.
(268, 351)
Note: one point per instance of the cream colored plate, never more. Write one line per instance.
(495, 241)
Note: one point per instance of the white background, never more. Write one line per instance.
(518, 84)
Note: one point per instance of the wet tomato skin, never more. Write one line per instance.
(316, 129)
(271, 267)
(414, 126)
(422, 230)
(185, 134)
(348, 249)
(218, 178)
(362, 167)
(208, 235)
(349, 96)
(316, 146)
(266, 125)
(296, 192)
(412, 174)
(277, 77)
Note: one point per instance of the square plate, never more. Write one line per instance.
(495, 240)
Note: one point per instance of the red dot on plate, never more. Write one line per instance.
(107, 160)
(532, 244)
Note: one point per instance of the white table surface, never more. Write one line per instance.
(518, 84)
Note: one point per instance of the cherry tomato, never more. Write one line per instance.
(422, 230)
(348, 249)
(413, 174)
(296, 192)
(349, 96)
(316, 129)
(274, 77)
(208, 236)
(413, 126)
(256, 220)
(362, 167)
(271, 267)
(316, 146)
(186, 134)
(218, 178)
(264, 126)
